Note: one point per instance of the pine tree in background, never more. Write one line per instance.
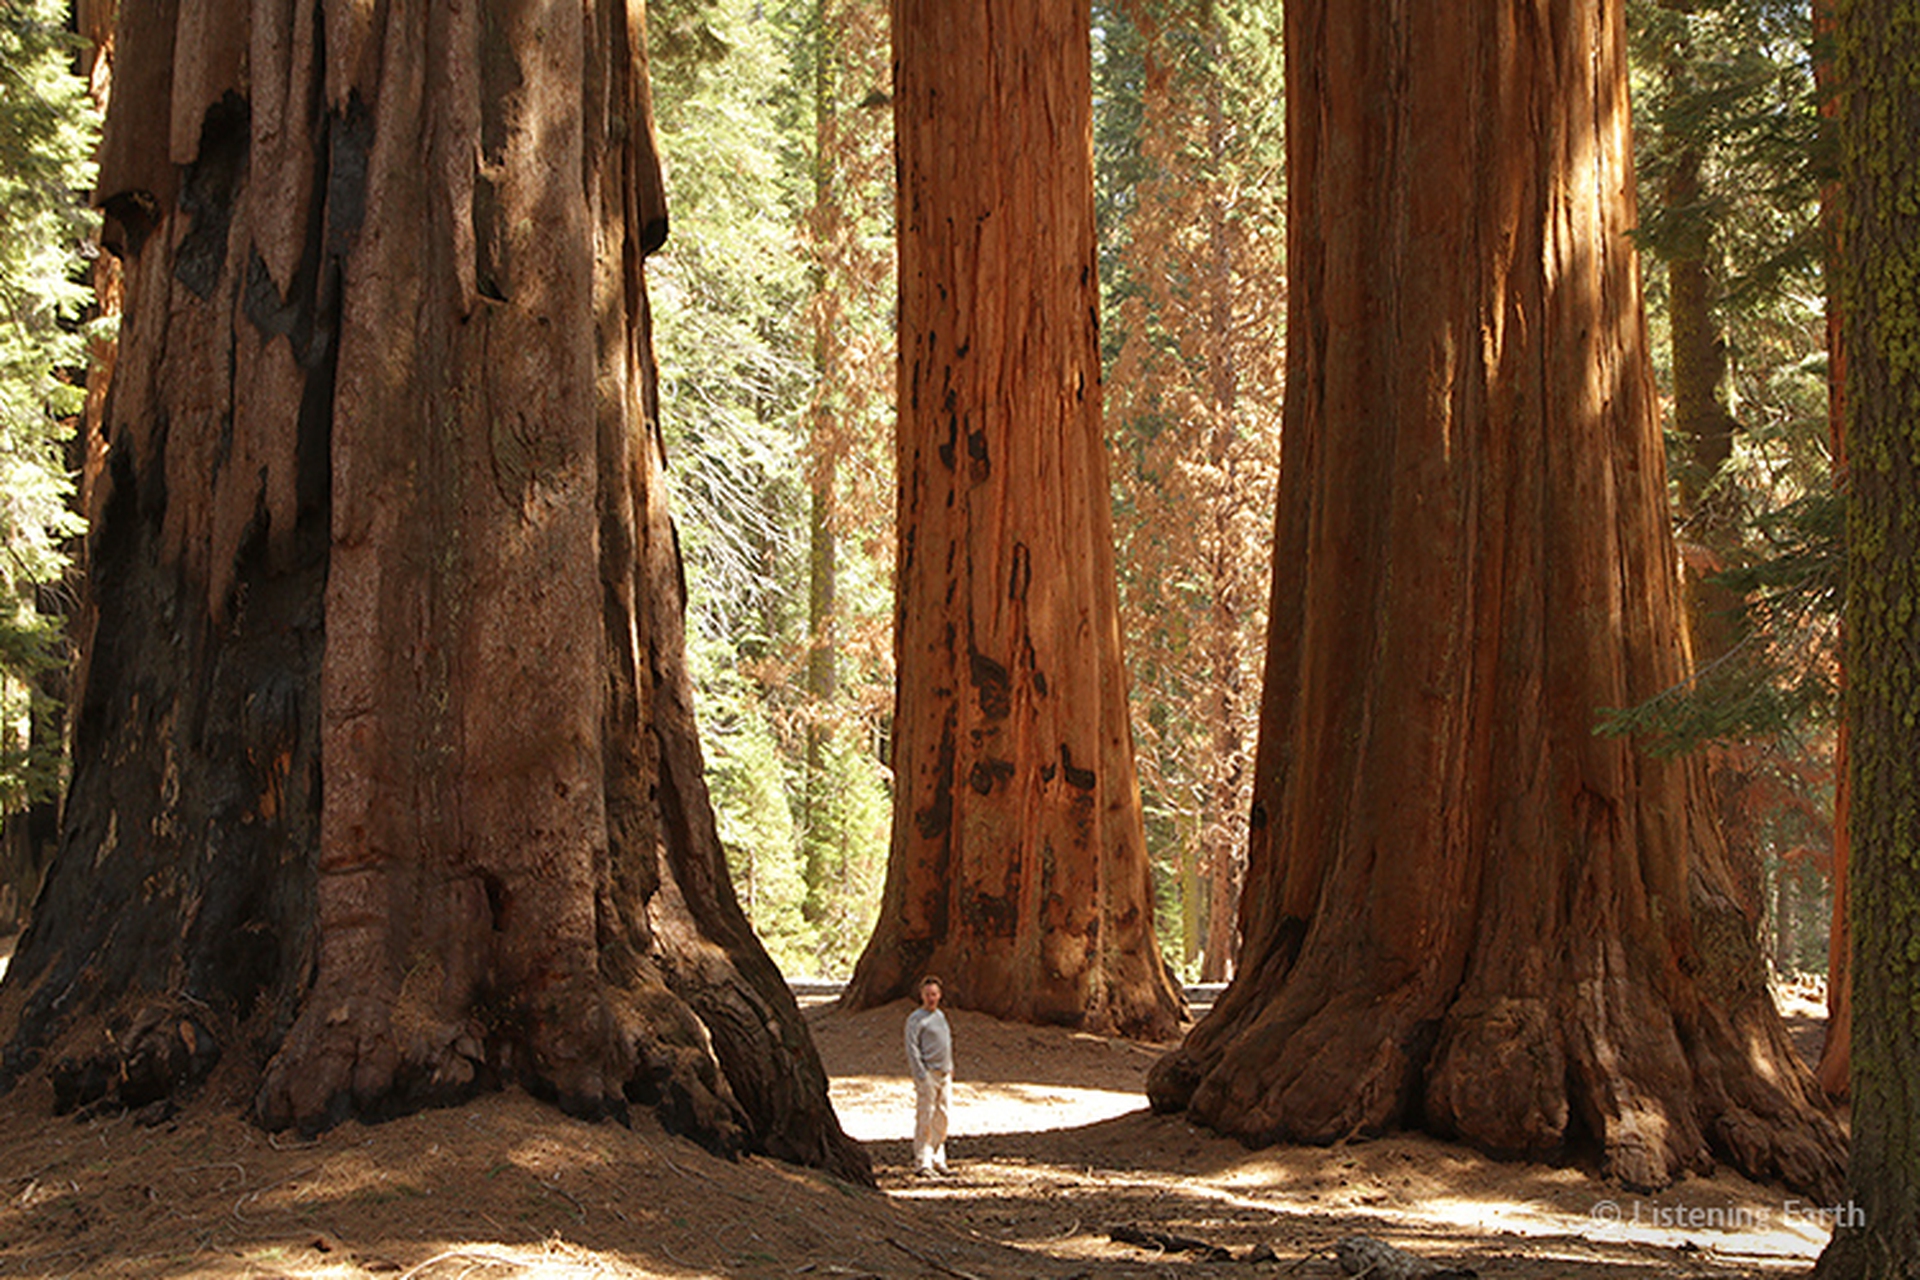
(48, 128)
(1196, 302)
(847, 239)
(732, 375)
(1728, 165)
(775, 360)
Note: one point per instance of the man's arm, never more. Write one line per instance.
(915, 1063)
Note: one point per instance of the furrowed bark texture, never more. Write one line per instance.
(1465, 911)
(1018, 868)
(1877, 69)
(385, 772)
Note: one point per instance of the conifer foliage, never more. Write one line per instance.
(776, 361)
(47, 133)
(1195, 301)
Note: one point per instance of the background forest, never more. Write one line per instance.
(774, 305)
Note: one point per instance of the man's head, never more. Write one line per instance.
(930, 992)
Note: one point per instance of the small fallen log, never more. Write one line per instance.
(1360, 1256)
(1167, 1242)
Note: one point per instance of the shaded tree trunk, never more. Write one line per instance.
(1701, 418)
(1018, 868)
(1225, 826)
(1879, 261)
(1836, 1051)
(1465, 911)
(823, 844)
(1709, 507)
(386, 788)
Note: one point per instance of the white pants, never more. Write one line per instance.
(932, 1092)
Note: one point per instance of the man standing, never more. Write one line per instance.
(930, 1058)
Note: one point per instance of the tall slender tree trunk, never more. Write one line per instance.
(1702, 420)
(1835, 1064)
(28, 837)
(819, 842)
(1223, 832)
(1189, 855)
(1225, 850)
(1018, 867)
(1198, 383)
(1465, 911)
(1835, 1067)
(385, 778)
(1878, 1238)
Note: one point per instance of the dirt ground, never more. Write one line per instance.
(1053, 1151)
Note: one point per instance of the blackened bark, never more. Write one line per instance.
(386, 783)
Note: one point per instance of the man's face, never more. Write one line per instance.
(930, 996)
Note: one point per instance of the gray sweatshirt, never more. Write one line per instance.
(929, 1043)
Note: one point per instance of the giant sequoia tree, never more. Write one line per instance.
(1879, 259)
(1019, 866)
(1465, 911)
(385, 780)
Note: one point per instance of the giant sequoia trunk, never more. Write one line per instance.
(385, 785)
(1879, 260)
(1465, 911)
(1019, 866)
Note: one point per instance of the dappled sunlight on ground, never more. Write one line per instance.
(1052, 1151)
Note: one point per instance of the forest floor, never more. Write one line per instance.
(1052, 1151)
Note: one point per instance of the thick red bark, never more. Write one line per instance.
(1466, 911)
(386, 781)
(1018, 868)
